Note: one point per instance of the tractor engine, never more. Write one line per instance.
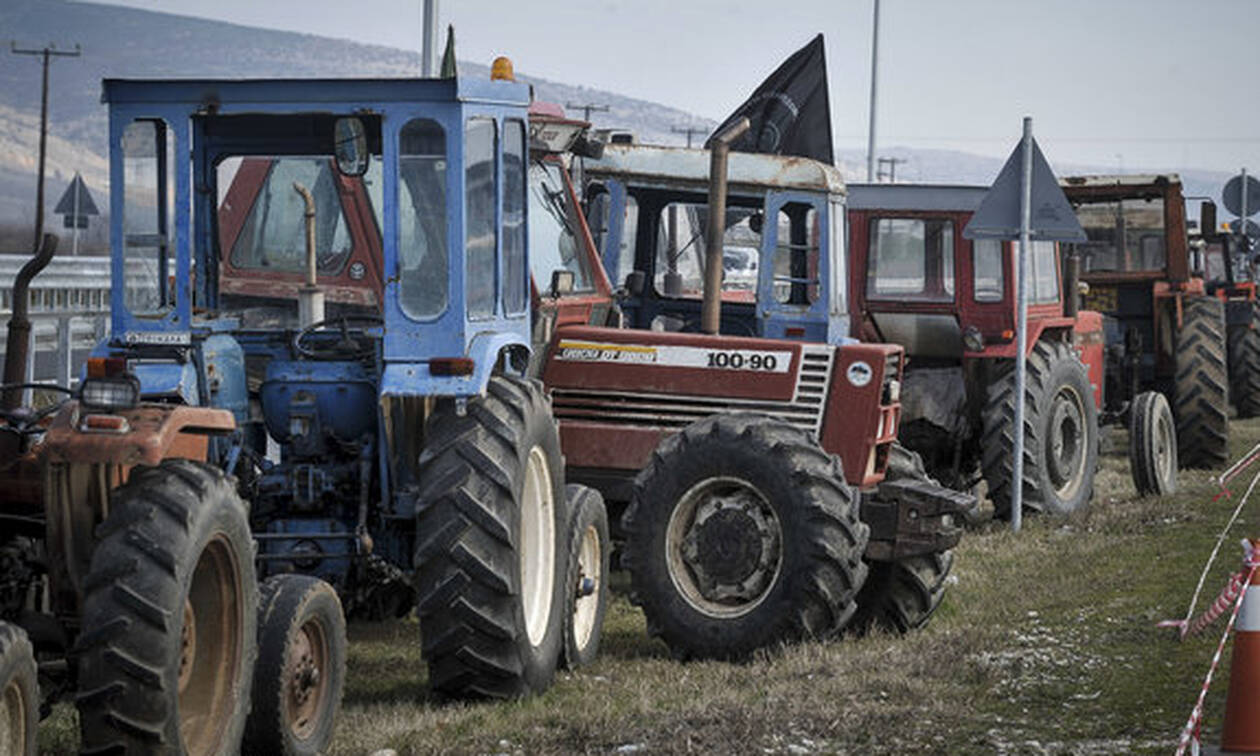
(315, 500)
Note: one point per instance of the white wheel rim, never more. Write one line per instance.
(1165, 445)
(722, 601)
(590, 566)
(537, 546)
(13, 705)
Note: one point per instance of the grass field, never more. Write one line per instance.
(1046, 643)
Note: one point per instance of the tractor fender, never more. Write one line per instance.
(1085, 332)
(485, 349)
(152, 432)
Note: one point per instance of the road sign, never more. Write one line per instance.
(1051, 216)
(1232, 194)
(1252, 228)
(77, 200)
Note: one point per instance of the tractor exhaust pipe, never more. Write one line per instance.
(17, 347)
(310, 297)
(719, 147)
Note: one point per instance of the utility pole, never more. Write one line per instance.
(587, 108)
(891, 162)
(870, 144)
(689, 131)
(47, 53)
(428, 49)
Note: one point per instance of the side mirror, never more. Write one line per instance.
(635, 281)
(350, 146)
(561, 282)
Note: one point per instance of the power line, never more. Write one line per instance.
(47, 53)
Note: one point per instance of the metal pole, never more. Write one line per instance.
(870, 144)
(1242, 211)
(75, 250)
(429, 45)
(1021, 327)
(46, 53)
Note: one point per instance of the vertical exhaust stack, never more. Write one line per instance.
(310, 296)
(19, 341)
(719, 148)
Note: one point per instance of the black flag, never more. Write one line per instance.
(789, 112)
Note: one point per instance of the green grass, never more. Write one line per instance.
(1046, 643)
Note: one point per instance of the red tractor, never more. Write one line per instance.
(1162, 329)
(950, 302)
(753, 465)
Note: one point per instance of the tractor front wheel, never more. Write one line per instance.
(1201, 399)
(166, 655)
(301, 668)
(491, 551)
(902, 595)
(1244, 366)
(587, 576)
(742, 533)
(19, 693)
(1152, 445)
(1060, 433)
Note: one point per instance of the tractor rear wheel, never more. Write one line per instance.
(491, 551)
(166, 656)
(19, 693)
(301, 668)
(902, 595)
(1201, 399)
(1060, 433)
(742, 533)
(586, 578)
(1244, 366)
(1152, 445)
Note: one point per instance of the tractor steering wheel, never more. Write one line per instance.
(345, 348)
(25, 420)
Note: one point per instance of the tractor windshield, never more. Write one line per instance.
(681, 245)
(553, 242)
(911, 258)
(1124, 236)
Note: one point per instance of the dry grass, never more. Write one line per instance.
(1045, 644)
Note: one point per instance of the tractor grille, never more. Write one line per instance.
(805, 410)
(892, 373)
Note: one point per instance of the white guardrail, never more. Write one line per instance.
(69, 313)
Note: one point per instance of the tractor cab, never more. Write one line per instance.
(783, 242)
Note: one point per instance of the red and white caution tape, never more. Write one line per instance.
(1230, 473)
(1190, 733)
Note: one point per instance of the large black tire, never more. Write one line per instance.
(1244, 366)
(742, 533)
(1060, 433)
(490, 555)
(19, 693)
(166, 655)
(1201, 396)
(1152, 445)
(903, 595)
(586, 578)
(301, 669)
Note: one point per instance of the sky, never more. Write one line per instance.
(1125, 84)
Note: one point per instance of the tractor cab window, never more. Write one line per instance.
(990, 273)
(796, 255)
(553, 241)
(1124, 236)
(1043, 273)
(515, 281)
(272, 236)
(599, 219)
(422, 254)
(681, 248)
(148, 151)
(911, 258)
(480, 190)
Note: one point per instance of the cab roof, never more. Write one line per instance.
(231, 94)
(680, 167)
(926, 197)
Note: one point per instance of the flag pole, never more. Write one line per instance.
(870, 137)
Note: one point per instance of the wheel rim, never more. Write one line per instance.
(1065, 443)
(211, 646)
(590, 579)
(1164, 447)
(306, 679)
(537, 546)
(723, 547)
(13, 705)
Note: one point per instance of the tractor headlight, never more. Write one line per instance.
(972, 340)
(110, 394)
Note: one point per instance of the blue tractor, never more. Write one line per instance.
(355, 457)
